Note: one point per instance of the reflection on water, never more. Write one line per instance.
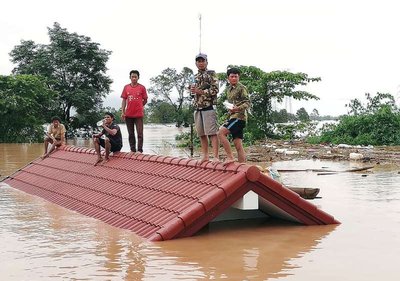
(366, 245)
(42, 241)
(252, 250)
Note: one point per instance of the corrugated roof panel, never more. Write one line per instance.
(157, 197)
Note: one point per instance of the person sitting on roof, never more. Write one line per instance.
(55, 136)
(112, 141)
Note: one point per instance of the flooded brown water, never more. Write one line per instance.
(42, 241)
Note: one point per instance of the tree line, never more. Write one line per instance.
(68, 78)
(172, 103)
(375, 122)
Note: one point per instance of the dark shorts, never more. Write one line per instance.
(114, 145)
(235, 127)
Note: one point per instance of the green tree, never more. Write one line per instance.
(314, 115)
(172, 87)
(266, 86)
(75, 68)
(159, 111)
(24, 104)
(90, 119)
(281, 116)
(302, 115)
(375, 123)
(374, 103)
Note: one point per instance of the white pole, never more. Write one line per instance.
(200, 33)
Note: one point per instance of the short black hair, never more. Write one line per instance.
(134, 72)
(110, 114)
(55, 118)
(233, 70)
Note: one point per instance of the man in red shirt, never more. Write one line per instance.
(134, 97)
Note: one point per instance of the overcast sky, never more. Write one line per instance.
(354, 46)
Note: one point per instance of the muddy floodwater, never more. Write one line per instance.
(42, 241)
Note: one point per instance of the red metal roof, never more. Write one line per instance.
(157, 197)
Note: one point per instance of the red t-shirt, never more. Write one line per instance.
(134, 100)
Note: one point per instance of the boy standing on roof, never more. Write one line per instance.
(55, 135)
(237, 95)
(204, 92)
(112, 141)
(134, 98)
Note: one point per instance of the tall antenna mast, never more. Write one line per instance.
(200, 33)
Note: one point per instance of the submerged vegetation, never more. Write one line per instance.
(375, 123)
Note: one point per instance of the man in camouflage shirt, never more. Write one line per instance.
(204, 92)
(238, 96)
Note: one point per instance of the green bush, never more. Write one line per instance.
(382, 127)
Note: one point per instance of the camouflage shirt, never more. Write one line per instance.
(239, 97)
(207, 81)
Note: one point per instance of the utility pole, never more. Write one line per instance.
(200, 33)
(191, 124)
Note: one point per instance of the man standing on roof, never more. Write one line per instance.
(112, 141)
(204, 92)
(134, 98)
(55, 135)
(238, 98)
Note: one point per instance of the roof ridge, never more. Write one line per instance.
(251, 171)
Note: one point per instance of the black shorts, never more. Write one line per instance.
(235, 127)
(114, 145)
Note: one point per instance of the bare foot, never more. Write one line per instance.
(216, 160)
(229, 161)
(44, 156)
(202, 160)
(106, 160)
(98, 161)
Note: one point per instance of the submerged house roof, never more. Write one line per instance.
(157, 197)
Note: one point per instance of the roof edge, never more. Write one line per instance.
(251, 171)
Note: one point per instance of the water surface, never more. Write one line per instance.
(42, 241)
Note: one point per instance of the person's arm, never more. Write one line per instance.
(123, 107)
(48, 133)
(144, 96)
(124, 96)
(214, 88)
(112, 131)
(209, 90)
(63, 131)
(98, 135)
(244, 102)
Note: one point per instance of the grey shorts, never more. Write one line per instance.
(206, 122)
